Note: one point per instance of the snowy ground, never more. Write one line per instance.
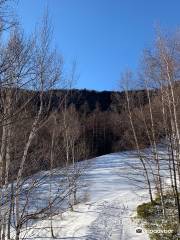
(110, 200)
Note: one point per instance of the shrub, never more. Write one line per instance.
(146, 210)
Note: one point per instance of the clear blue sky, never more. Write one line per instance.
(104, 36)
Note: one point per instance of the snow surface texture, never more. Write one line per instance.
(110, 200)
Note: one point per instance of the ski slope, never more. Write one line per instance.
(109, 195)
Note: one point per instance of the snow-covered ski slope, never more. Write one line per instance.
(110, 195)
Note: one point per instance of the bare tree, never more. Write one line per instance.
(126, 79)
(162, 69)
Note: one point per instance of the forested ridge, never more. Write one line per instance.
(98, 122)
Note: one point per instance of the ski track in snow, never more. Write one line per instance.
(108, 222)
(107, 212)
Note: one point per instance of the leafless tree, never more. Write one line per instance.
(160, 116)
(126, 79)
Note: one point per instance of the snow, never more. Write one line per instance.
(108, 200)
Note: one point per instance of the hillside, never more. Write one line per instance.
(107, 201)
(98, 123)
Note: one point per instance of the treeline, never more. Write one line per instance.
(97, 121)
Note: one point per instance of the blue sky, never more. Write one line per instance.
(105, 37)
